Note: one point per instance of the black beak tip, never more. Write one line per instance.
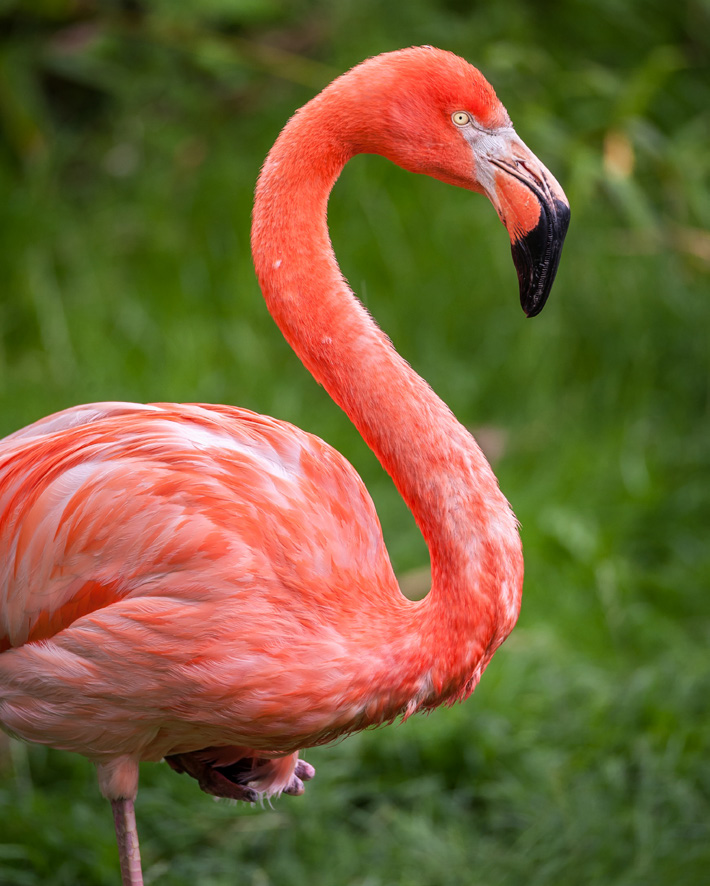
(536, 255)
(533, 308)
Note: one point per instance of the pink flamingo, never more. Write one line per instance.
(210, 586)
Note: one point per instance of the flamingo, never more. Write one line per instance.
(210, 586)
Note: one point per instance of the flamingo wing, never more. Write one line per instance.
(164, 564)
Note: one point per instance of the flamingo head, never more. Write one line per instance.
(431, 112)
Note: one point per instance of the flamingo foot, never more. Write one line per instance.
(239, 774)
(124, 819)
(303, 772)
(211, 779)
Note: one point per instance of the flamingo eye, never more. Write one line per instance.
(461, 118)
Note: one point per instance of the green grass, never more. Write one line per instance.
(583, 756)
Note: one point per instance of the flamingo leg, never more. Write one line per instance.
(124, 819)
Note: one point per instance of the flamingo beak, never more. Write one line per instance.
(534, 209)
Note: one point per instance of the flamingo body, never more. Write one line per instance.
(246, 563)
(211, 586)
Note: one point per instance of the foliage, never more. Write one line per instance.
(130, 137)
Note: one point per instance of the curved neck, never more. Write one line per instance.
(435, 463)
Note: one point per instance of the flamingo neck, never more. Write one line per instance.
(435, 463)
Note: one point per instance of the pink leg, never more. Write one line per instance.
(124, 818)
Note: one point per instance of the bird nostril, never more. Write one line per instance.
(532, 173)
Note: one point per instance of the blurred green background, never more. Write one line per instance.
(131, 134)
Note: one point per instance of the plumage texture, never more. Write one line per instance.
(228, 552)
(209, 585)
